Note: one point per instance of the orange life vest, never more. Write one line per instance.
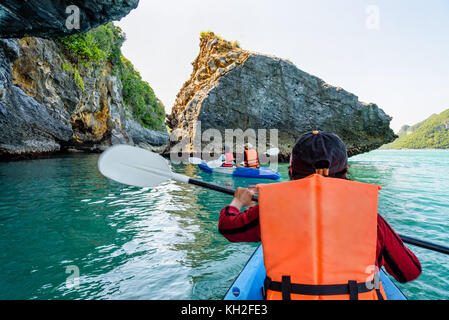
(229, 162)
(319, 238)
(252, 159)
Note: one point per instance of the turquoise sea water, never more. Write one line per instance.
(60, 216)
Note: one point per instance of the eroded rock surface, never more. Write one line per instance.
(234, 89)
(43, 109)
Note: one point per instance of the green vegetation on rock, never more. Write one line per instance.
(68, 67)
(78, 79)
(207, 34)
(97, 46)
(147, 109)
(103, 45)
(432, 133)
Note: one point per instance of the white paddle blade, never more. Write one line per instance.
(215, 164)
(195, 161)
(273, 152)
(134, 166)
(212, 164)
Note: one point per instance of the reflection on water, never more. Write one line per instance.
(163, 243)
(128, 243)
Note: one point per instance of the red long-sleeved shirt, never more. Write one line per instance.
(391, 252)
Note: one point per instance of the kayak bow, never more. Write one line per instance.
(249, 284)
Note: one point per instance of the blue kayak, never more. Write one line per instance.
(261, 173)
(249, 283)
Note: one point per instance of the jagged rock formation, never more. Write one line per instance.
(234, 89)
(25, 124)
(47, 18)
(44, 109)
(71, 94)
(217, 58)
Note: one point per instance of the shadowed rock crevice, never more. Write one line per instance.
(47, 18)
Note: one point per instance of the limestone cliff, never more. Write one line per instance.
(231, 88)
(49, 103)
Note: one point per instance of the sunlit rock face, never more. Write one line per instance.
(231, 88)
(50, 19)
(43, 109)
(25, 124)
(47, 106)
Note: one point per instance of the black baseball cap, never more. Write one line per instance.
(319, 150)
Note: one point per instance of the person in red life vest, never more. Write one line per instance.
(227, 157)
(250, 157)
(321, 233)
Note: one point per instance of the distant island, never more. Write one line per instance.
(432, 133)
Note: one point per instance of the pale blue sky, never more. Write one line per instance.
(403, 66)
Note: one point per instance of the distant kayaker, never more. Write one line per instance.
(321, 233)
(227, 157)
(250, 157)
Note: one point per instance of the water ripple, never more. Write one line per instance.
(163, 243)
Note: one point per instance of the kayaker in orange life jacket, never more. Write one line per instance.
(320, 232)
(250, 157)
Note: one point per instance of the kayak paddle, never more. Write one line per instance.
(211, 164)
(273, 152)
(145, 169)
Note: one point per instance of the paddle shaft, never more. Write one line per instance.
(405, 239)
(425, 244)
(216, 187)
